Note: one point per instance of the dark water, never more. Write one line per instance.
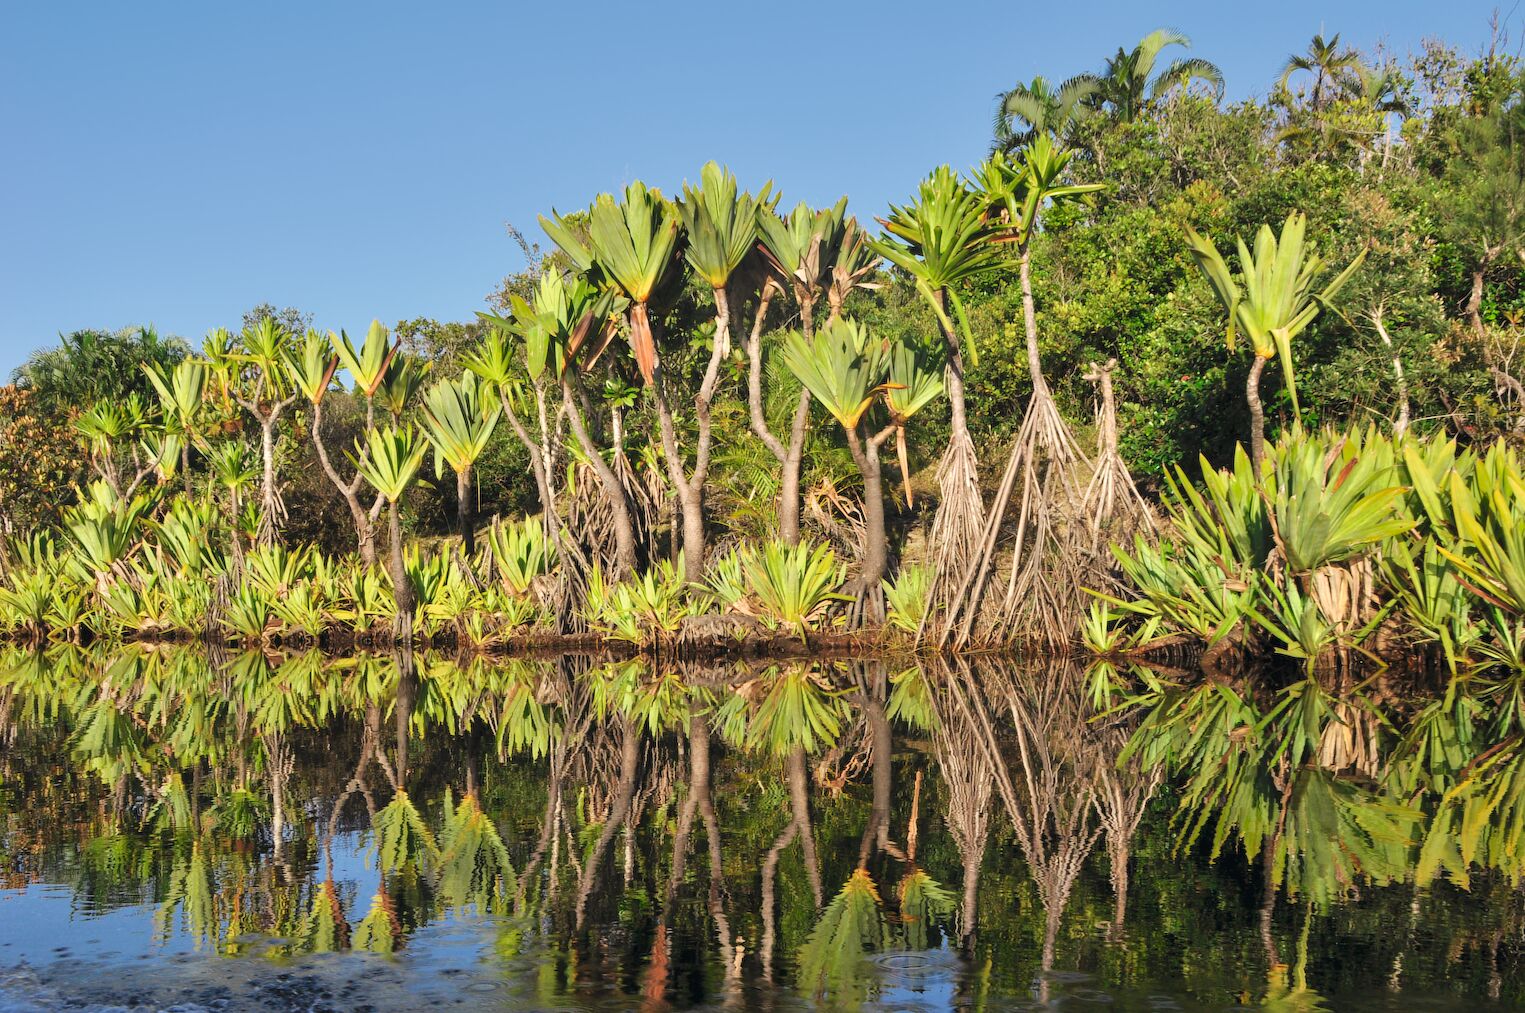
(190, 833)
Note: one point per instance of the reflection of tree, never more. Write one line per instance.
(968, 780)
(1051, 796)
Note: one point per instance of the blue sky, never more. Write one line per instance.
(177, 163)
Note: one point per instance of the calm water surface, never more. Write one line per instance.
(380, 833)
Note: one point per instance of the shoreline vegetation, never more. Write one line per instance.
(708, 425)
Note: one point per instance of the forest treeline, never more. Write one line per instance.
(857, 411)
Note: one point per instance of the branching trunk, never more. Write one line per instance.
(365, 531)
(790, 458)
(538, 455)
(689, 487)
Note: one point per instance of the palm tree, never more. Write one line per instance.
(389, 460)
(459, 417)
(1276, 302)
(1028, 110)
(1129, 82)
(1327, 62)
(942, 238)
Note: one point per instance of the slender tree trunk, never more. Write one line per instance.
(689, 489)
(402, 589)
(1257, 414)
(1474, 307)
(537, 456)
(463, 513)
(613, 490)
(875, 558)
(270, 524)
(1030, 324)
(799, 802)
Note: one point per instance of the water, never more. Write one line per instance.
(190, 833)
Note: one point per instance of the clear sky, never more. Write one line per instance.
(177, 163)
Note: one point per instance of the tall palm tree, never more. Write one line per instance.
(1327, 62)
(459, 417)
(1132, 79)
(1027, 110)
(1273, 301)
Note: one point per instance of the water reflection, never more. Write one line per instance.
(579, 830)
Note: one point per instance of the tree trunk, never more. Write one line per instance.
(790, 458)
(614, 492)
(402, 589)
(365, 531)
(875, 556)
(1257, 414)
(799, 802)
(537, 455)
(463, 512)
(1474, 307)
(1030, 324)
(270, 523)
(689, 489)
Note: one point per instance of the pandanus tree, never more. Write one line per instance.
(1045, 461)
(389, 461)
(459, 417)
(1272, 302)
(313, 372)
(848, 371)
(633, 247)
(721, 227)
(549, 340)
(809, 253)
(180, 395)
(941, 239)
(262, 388)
